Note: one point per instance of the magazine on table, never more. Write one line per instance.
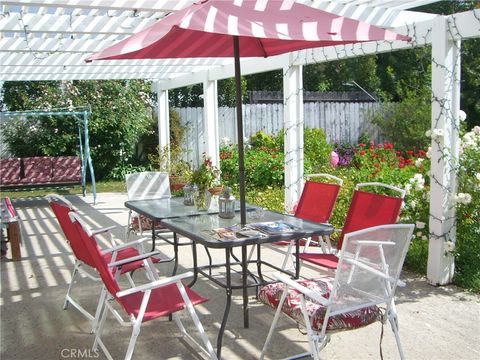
(274, 227)
(233, 233)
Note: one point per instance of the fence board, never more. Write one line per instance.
(341, 121)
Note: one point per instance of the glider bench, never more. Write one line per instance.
(39, 171)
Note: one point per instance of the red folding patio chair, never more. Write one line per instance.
(366, 209)
(316, 204)
(159, 298)
(61, 208)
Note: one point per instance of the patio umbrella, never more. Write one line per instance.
(242, 28)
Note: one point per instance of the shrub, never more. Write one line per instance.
(316, 150)
(405, 123)
(467, 247)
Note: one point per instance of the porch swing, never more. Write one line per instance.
(12, 176)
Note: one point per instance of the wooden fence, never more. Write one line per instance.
(342, 122)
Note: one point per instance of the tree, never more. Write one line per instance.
(121, 111)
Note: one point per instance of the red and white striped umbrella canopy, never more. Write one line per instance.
(264, 27)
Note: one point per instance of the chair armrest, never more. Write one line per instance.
(133, 259)
(372, 242)
(305, 291)
(155, 284)
(370, 269)
(102, 230)
(124, 245)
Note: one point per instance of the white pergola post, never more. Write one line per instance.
(163, 116)
(293, 125)
(210, 121)
(444, 151)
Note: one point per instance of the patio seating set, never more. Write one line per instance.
(362, 272)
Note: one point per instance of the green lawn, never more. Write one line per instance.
(102, 186)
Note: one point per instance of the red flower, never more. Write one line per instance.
(361, 145)
(421, 153)
(410, 152)
(399, 153)
(362, 152)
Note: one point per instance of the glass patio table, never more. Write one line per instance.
(160, 209)
(203, 230)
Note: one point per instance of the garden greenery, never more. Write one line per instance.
(121, 113)
(370, 162)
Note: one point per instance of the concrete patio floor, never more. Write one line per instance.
(435, 322)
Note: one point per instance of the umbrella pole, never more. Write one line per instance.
(241, 161)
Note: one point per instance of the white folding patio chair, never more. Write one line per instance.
(368, 272)
(145, 185)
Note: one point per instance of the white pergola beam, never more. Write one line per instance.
(140, 5)
(384, 13)
(75, 24)
(464, 25)
(78, 70)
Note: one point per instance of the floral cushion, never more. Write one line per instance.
(146, 223)
(271, 294)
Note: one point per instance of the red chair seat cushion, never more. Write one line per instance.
(329, 261)
(125, 254)
(271, 294)
(163, 301)
(302, 242)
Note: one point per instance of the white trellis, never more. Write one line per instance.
(49, 40)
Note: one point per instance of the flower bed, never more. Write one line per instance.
(409, 170)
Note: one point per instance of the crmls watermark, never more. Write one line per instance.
(79, 354)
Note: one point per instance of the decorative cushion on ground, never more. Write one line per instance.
(146, 223)
(66, 169)
(271, 294)
(9, 171)
(37, 170)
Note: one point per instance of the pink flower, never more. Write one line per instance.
(334, 159)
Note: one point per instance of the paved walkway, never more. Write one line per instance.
(435, 322)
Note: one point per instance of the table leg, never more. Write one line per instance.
(195, 264)
(244, 285)
(175, 252)
(153, 237)
(228, 303)
(297, 259)
(259, 264)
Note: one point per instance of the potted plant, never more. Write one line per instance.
(204, 178)
(169, 159)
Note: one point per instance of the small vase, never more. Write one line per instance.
(203, 199)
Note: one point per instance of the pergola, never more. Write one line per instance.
(50, 39)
